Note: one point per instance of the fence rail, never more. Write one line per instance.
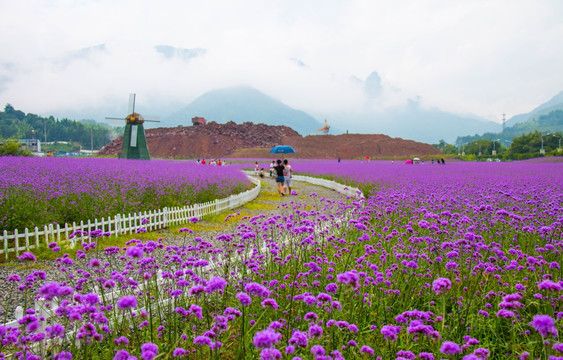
(120, 224)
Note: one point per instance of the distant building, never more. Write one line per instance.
(199, 120)
(33, 145)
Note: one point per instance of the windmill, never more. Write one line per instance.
(134, 140)
(325, 128)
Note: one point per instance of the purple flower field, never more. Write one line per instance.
(460, 261)
(39, 191)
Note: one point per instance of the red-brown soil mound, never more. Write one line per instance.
(255, 140)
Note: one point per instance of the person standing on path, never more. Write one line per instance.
(287, 174)
(272, 166)
(280, 178)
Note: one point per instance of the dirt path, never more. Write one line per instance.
(268, 203)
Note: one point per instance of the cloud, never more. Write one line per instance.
(484, 57)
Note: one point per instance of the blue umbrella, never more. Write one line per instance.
(282, 149)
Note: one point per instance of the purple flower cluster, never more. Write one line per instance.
(44, 191)
(410, 272)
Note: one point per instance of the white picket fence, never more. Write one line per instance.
(341, 188)
(46, 311)
(121, 224)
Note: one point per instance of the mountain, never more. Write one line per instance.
(243, 104)
(555, 103)
(416, 123)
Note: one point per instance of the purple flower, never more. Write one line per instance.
(196, 310)
(441, 284)
(266, 338)
(311, 316)
(366, 350)
(63, 355)
(426, 356)
(256, 289)
(298, 338)
(315, 331)
(545, 325)
(270, 354)
(149, 351)
(51, 290)
(549, 285)
(90, 299)
(127, 302)
(216, 284)
(14, 278)
(55, 330)
(134, 252)
(390, 332)
(318, 350)
(450, 348)
(244, 299)
(202, 340)
(122, 355)
(331, 288)
(121, 340)
(505, 313)
(271, 303)
(349, 278)
(178, 352)
(27, 256)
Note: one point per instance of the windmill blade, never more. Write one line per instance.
(114, 118)
(131, 103)
(152, 119)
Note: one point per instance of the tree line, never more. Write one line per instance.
(550, 122)
(15, 124)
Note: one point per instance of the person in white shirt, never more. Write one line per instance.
(272, 166)
(287, 173)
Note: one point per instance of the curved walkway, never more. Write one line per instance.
(268, 203)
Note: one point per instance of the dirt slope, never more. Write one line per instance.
(254, 140)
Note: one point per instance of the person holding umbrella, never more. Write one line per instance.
(280, 178)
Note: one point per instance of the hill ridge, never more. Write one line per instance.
(255, 140)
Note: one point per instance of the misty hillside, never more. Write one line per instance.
(555, 103)
(416, 123)
(242, 104)
(551, 122)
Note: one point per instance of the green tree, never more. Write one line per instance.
(12, 147)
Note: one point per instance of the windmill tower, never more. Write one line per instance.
(134, 140)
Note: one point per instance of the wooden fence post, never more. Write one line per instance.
(117, 227)
(165, 217)
(17, 242)
(52, 232)
(36, 230)
(26, 234)
(6, 244)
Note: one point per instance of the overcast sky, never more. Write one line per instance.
(481, 57)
